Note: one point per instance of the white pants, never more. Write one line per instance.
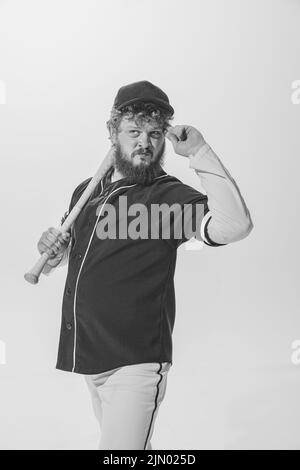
(126, 402)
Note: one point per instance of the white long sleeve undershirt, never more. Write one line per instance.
(229, 216)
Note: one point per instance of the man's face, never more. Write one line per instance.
(140, 147)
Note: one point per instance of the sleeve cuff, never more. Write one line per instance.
(204, 232)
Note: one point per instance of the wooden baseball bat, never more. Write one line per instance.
(33, 275)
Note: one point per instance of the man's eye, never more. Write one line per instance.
(135, 133)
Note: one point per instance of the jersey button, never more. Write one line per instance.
(69, 291)
(79, 256)
(69, 326)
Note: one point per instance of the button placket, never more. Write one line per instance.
(106, 195)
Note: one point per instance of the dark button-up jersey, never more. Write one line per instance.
(119, 302)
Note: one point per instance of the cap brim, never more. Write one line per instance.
(161, 103)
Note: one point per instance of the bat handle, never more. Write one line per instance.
(33, 275)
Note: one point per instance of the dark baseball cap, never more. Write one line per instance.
(142, 91)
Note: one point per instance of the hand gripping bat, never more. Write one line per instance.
(33, 275)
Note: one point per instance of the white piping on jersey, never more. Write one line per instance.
(162, 176)
(203, 223)
(85, 255)
(83, 260)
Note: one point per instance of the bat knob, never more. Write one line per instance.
(32, 278)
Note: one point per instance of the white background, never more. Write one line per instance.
(228, 68)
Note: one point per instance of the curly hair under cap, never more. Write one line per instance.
(139, 112)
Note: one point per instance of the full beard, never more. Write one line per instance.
(138, 174)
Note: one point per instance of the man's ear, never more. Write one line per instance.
(113, 138)
(112, 133)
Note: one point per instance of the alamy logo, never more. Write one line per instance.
(2, 352)
(194, 245)
(295, 357)
(2, 92)
(295, 97)
(157, 221)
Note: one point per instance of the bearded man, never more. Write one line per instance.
(118, 308)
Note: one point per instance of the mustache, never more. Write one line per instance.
(141, 152)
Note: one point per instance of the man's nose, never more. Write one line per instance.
(144, 141)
